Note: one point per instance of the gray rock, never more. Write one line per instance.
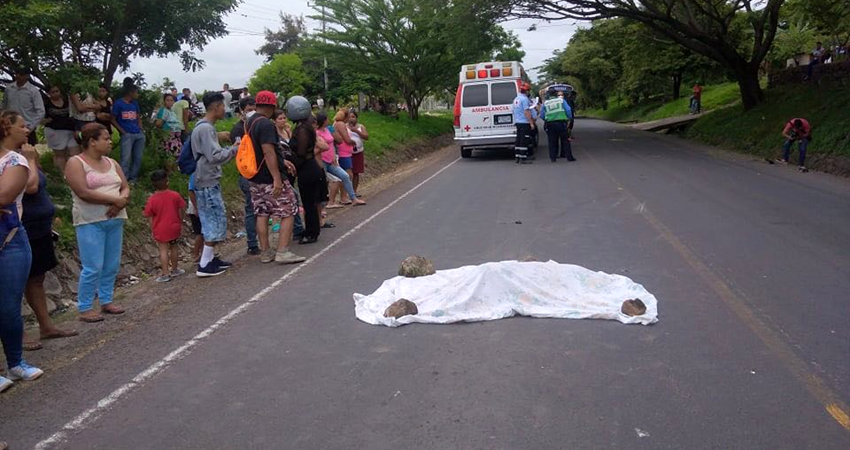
(26, 311)
(51, 306)
(127, 270)
(72, 267)
(152, 250)
(52, 286)
(401, 308)
(634, 307)
(72, 287)
(528, 258)
(416, 266)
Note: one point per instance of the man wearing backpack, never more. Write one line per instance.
(263, 164)
(210, 156)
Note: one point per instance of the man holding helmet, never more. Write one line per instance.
(524, 122)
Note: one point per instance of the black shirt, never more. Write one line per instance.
(38, 211)
(262, 132)
(58, 115)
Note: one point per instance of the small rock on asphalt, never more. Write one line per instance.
(634, 307)
(401, 308)
(416, 266)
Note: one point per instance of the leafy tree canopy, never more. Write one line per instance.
(284, 74)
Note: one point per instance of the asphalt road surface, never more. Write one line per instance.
(750, 264)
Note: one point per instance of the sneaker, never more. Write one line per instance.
(268, 256)
(213, 269)
(177, 272)
(254, 251)
(5, 383)
(25, 372)
(782, 161)
(221, 263)
(288, 257)
(803, 169)
(163, 278)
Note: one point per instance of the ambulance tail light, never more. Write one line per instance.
(495, 73)
(507, 72)
(482, 73)
(457, 105)
(470, 75)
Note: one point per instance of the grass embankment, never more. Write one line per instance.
(712, 97)
(758, 131)
(386, 134)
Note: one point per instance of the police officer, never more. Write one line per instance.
(558, 116)
(524, 122)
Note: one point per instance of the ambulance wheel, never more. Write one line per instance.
(466, 153)
(517, 160)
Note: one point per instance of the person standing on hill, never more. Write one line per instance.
(127, 118)
(796, 130)
(817, 58)
(25, 99)
(557, 114)
(696, 99)
(228, 101)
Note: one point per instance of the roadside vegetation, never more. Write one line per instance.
(620, 110)
(758, 131)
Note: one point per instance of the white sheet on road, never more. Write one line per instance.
(502, 289)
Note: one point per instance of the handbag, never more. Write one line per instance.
(10, 222)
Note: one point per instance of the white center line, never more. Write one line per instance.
(90, 415)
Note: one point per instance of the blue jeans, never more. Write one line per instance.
(100, 253)
(804, 143)
(15, 260)
(250, 218)
(212, 213)
(132, 147)
(342, 175)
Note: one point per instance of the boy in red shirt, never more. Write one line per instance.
(165, 208)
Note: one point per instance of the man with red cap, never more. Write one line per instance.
(271, 192)
(524, 122)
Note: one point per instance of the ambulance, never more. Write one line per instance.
(483, 116)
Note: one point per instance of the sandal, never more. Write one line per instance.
(345, 203)
(335, 206)
(32, 346)
(328, 225)
(359, 203)
(112, 309)
(91, 319)
(61, 334)
(308, 240)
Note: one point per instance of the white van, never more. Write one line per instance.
(483, 116)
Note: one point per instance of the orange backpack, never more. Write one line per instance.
(246, 158)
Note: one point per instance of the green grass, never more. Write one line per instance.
(712, 97)
(758, 131)
(385, 135)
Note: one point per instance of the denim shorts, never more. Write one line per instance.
(345, 163)
(212, 213)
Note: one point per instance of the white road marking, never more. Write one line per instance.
(90, 415)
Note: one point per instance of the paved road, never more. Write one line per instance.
(750, 263)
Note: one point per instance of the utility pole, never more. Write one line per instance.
(326, 58)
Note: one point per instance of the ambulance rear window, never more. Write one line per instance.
(503, 93)
(475, 95)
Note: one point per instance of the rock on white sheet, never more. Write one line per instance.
(502, 289)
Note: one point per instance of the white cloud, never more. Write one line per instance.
(233, 60)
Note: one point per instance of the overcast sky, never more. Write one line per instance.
(231, 59)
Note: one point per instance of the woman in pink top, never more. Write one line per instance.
(333, 165)
(100, 192)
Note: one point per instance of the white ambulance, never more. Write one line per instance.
(483, 116)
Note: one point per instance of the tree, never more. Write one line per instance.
(415, 47)
(284, 40)
(106, 34)
(735, 33)
(284, 74)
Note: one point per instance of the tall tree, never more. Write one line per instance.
(286, 38)
(736, 33)
(415, 47)
(284, 74)
(107, 34)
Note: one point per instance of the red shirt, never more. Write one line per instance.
(697, 91)
(164, 207)
(807, 129)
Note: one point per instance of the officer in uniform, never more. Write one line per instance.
(558, 116)
(524, 122)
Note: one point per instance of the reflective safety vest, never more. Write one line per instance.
(555, 110)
